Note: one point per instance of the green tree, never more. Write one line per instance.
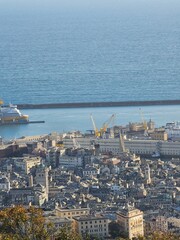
(21, 223)
(114, 229)
(67, 234)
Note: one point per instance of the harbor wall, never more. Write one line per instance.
(98, 104)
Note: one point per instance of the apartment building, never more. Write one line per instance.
(26, 163)
(70, 213)
(131, 222)
(92, 225)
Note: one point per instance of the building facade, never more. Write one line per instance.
(92, 225)
(70, 213)
(130, 220)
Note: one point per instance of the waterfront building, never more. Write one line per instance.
(134, 146)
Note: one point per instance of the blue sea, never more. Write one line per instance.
(82, 51)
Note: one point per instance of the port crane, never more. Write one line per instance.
(96, 131)
(143, 121)
(107, 123)
(103, 129)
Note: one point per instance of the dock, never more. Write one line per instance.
(98, 104)
(25, 123)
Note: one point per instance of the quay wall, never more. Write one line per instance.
(98, 104)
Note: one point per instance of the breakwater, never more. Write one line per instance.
(98, 104)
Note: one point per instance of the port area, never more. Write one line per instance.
(98, 104)
(18, 123)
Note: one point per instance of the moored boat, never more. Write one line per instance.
(11, 115)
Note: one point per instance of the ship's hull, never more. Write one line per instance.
(12, 123)
(11, 120)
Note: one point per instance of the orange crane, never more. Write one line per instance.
(96, 131)
(103, 129)
(107, 123)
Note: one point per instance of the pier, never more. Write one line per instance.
(99, 104)
(22, 123)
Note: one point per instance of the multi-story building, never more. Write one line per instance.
(136, 146)
(130, 220)
(70, 161)
(41, 178)
(159, 134)
(90, 171)
(159, 223)
(52, 156)
(92, 225)
(71, 212)
(26, 163)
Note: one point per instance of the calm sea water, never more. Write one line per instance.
(82, 50)
(89, 50)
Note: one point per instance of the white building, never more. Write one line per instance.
(70, 161)
(139, 147)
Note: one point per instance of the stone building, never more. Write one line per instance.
(92, 225)
(131, 221)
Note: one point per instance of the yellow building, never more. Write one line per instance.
(92, 225)
(159, 134)
(31, 162)
(72, 212)
(130, 220)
